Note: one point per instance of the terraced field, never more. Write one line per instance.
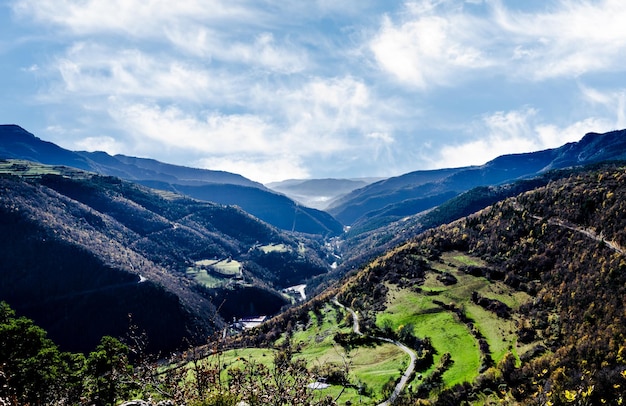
(448, 334)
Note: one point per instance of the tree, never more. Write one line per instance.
(406, 333)
(109, 372)
(31, 365)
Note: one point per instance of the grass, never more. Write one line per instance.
(447, 334)
(214, 273)
(202, 277)
(32, 169)
(226, 267)
(374, 366)
(499, 333)
(274, 248)
(370, 366)
(459, 258)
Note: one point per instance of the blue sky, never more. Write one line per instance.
(312, 89)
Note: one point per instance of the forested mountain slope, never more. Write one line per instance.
(550, 260)
(80, 251)
(400, 195)
(371, 237)
(216, 186)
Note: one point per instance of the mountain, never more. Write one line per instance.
(394, 193)
(79, 252)
(373, 236)
(318, 193)
(17, 143)
(217, 186)
(142, 169)
(274, 208)
(519, 303)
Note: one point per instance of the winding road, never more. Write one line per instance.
(561, 223)
(410, 369)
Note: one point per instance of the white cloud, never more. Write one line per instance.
(502, 133)
(435, 43)
(155, 128)
(382, 137)
(323, 118)
(319, 118)
(139, 18)
(570, 39)
(261, 168)
(327, 107)
(514, 132)
(200, 28)
(103, 143)
(427, 49)
(265, 52)
(261, 50)
(613, 102)
(552, 136)
(89, 69)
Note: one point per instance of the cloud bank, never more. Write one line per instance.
(275, 90)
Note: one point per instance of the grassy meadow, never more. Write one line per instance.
(372, 367)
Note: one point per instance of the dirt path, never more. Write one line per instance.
(585, 231)
(410, 369)
(355, 317)
(589, 233)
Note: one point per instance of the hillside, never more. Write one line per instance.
(392, 195)
(372, 236)
(81, 251)
(549, 263)
(215, 186)
(521, 303)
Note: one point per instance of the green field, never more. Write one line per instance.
(374, 366)
(274, 248)
(447, 333)
(369, 367)
(214, 273)
(33, 169)
(202, 277)
(226, 267)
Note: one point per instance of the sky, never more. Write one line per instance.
(281, 89)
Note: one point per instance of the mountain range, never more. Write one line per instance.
(216, 186)
(215, 237)
(393, 198)
(82, 251)
(507, 279)
(319, 193)
(520, 303)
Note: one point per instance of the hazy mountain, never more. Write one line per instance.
(404, 189)
(133, 168)
(216, 186)
(318, 193)
(274, 208)
(81, 251)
